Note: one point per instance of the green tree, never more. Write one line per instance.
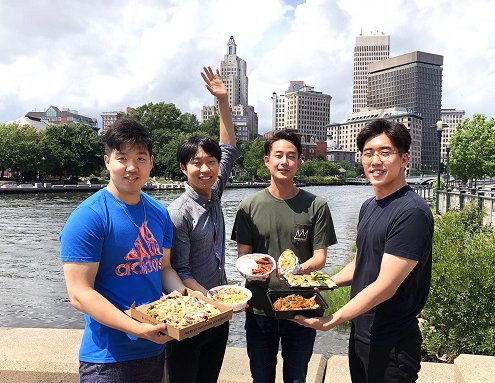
(308, 169)
(472, 153)
(21, 151)
(166, 163)
(189, 122)
(253, 158)
(320, 168)
(72, 151)
(263, 173)
(161, 116)
(210, 127)
(326, 168)
(169, 128)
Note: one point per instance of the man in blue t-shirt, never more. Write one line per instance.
(390, 275)
(116, 251)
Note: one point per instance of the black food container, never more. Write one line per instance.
(318, 312)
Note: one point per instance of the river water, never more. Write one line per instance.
(32, 286)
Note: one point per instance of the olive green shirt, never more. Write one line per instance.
(271, 225)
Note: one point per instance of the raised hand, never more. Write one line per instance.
(214, 83)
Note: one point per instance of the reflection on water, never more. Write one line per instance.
(31, 279)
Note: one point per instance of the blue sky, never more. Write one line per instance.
(95, 56)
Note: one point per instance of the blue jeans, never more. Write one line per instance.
(149, 370)
(263, 335)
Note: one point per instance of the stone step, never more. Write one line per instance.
(338, 371)
(474, 369)
(235, 367)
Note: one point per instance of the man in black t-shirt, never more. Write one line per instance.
(390, 275)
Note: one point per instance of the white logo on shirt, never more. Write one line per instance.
(301, 235)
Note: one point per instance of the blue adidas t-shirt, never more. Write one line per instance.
(130, 258)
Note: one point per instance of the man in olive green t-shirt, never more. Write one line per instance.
(275, 219)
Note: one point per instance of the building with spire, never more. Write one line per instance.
(233, 70)
(368, 49)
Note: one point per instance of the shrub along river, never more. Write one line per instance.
(31, 277)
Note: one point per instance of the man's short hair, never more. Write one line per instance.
(125, 132)
(283, 135)
(395, 131)
(189, 148)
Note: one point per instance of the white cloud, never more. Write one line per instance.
(94, 56)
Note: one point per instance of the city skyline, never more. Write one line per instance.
(123, 54)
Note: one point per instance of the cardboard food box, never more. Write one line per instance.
(139, 313)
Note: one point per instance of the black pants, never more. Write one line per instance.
(197, 359)
(396, 363)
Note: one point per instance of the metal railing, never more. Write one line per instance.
(458, 197)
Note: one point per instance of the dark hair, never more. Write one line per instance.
(283, 135)
(395, 131)
(190, 147)
(127, 132)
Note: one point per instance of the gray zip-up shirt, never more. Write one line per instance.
(198, 248)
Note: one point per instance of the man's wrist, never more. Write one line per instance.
(224, 98)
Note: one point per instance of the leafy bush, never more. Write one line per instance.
(459, 316)
(336, 299)
(322, 180)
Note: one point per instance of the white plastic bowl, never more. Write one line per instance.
(246, 263)
(237, 305)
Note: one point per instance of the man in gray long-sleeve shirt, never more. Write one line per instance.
(198, 248)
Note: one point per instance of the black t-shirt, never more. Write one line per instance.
(400, 224)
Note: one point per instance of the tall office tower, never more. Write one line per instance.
(368, 49)
(412, 81)
(452, 118)
(303, 109)
(278, 111)
(343, 134)
(233, 70)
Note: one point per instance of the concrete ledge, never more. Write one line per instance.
(41, 355)
(436, 372)
(36, 355)
(338, 371)
(474, 369)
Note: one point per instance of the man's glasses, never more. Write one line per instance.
(383, 155)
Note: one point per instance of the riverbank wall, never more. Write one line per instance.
(42, 355)
(45, 187)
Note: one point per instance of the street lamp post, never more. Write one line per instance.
(42, 168)
(439, 136)
(447, 149)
